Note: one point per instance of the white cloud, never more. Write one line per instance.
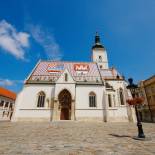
(12, 41)
(23, 39)
(7, 82)
(47, 41)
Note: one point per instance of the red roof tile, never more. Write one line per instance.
(7, 93)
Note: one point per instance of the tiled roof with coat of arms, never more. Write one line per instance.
(50, 71)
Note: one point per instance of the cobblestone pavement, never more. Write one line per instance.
(74, 138)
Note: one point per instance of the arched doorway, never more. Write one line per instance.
(65, 104)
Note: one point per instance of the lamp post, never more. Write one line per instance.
(133, 89)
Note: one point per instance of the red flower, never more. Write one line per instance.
(135, 101)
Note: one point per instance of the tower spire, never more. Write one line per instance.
(97, 38)
(99, 54)
(97, 42)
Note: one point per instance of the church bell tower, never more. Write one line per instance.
(99, 54)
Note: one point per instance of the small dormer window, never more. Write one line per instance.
(66, 77)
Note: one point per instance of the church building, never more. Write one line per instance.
(87, 91)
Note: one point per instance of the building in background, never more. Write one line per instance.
(58, 90)
(7, 102)
(147, 90)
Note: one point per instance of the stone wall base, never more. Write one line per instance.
(30, 119)
(117, 119)
(98, 119)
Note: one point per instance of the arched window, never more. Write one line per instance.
(92, 99)
(121, 96)
(109, 100)
(41, 99)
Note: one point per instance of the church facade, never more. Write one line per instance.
(87, 91)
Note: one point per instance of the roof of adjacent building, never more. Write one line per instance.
(7, 93)
(149, 81)
(50, 71)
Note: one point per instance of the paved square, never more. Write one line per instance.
(74, 138)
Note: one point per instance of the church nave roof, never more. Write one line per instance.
(82, 72)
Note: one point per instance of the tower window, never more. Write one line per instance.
(100, 66)
(100, 58)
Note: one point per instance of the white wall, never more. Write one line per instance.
(30, 95)
(82, 101)
(26, 102)
(119, 112)
(117, 85)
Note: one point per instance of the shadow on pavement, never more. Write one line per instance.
(120, 136)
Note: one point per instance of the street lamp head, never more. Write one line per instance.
(132, 87)
(130, 81)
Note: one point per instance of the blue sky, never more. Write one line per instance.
(64, 29)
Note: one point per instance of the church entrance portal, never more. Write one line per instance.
(65, 105)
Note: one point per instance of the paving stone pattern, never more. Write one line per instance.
(74, 138)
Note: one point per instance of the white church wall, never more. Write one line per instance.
(30, 95)
(26, 103)
(83, 111)
(117, 85)
(16, 108)
(35, 113)
(119, 112)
